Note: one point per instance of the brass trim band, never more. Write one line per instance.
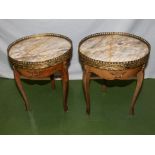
(113, 65)
(42, 64)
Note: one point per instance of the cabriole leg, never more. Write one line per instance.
(20, 87)
(65, 83)
(140, 77)
(86, 82)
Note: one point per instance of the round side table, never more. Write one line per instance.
(113, 55)
(40, 56)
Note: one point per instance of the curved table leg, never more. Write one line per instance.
(20, 87)
(52, 81)
(65, 82)
(140, 77)
(86, 82)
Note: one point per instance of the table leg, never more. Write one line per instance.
(65, 82)
(52, 81)
(86, 82)
(140, 77)
(20, 87)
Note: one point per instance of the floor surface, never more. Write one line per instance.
(109, 110)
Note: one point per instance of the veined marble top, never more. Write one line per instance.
(114, 48)
(40, 48)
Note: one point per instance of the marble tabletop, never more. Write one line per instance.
(40, 48)
(114, 48)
